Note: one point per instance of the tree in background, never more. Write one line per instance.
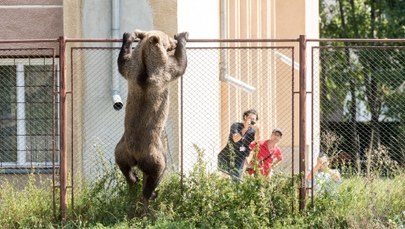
(371, 77)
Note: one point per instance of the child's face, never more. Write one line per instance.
(275, 136)
(324, 163)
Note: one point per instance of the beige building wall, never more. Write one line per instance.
(248, 19)
(28, 19)
(266, 19)
(72, 21)
(31, 19)
(72, 18)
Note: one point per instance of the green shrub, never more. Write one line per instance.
(30, 207)
(207, 200)
(361, 203)
(204, 199)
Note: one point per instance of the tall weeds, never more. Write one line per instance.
(29, 207)
(204, 199)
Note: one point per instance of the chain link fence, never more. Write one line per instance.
(222, 83)
(28, 110)
(218, 86)
(355, 97)
(361, 97)
(29, 130)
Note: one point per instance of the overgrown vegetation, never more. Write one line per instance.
(207, 200)
(30, 207)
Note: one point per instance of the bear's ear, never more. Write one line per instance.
(154, 39)
(140, 34)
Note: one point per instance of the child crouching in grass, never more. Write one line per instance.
(324, 178)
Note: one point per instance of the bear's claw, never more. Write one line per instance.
(128, 37)
(182, 35)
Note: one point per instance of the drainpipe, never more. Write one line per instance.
(115, 76)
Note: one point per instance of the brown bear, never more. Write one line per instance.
(148, 69)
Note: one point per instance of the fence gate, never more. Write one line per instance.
(222, 80)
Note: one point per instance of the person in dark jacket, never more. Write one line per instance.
(232, 157)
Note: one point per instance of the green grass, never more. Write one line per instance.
(30, 207)
(362, 203)
(206, 200)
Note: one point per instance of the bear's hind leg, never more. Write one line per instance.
(150, 182)
(130, 176)
(125, 164)
(149, 185)
(152, 174)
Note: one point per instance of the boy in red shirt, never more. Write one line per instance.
(268, 154)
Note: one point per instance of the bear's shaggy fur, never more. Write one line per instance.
(148, 69)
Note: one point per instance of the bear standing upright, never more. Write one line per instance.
(148, 69)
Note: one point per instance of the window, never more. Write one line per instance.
(28, 113)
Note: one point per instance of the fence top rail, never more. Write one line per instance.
(29, 41)
(241, 40)
(93, 40)
(356, 40)
(189, 40)
(201, 40)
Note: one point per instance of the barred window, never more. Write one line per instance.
(28, 113)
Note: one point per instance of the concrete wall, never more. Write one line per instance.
(28, 19)
(31, 19)
(313, 131)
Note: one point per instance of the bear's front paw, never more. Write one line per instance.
(128, 37)
(181, 36)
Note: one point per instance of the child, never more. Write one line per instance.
(325, 179)
(268, 155)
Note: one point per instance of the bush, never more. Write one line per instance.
(30, 207)
(207, 200)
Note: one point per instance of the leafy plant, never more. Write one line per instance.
(202, 199)
(29, 207)
(379, 163)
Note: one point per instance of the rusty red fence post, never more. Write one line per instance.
(63, 128)
(302, 122)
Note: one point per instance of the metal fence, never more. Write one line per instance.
(29, 117)
(222, 80)
(358, 88)
(345, 101)
(360, 93)
(28, 109)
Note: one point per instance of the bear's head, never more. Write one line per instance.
(156, 42)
